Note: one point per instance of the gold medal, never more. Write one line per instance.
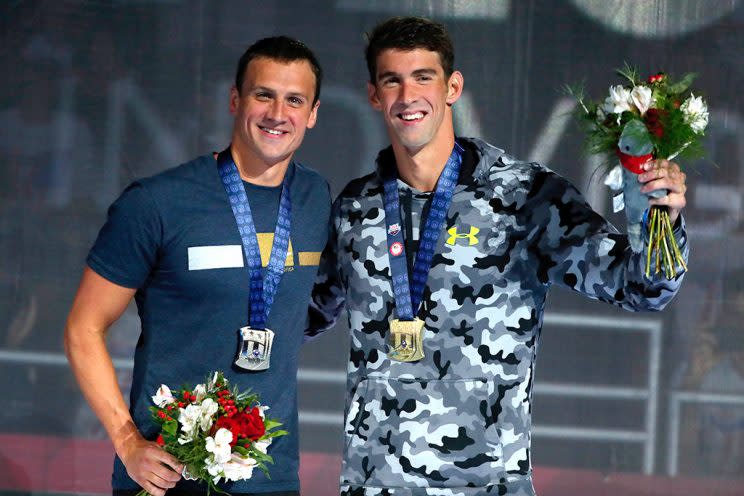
(406, 343)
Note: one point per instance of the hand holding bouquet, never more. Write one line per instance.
(216, 432)
(638, 122)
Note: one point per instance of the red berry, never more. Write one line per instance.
(193, 397)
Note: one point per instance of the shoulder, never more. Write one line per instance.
(358, 194)
(198, 169)
(309, 177)
(514, 179)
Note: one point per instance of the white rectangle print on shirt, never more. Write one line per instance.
(215, 257)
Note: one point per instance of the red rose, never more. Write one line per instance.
(160, 440)
(653, 122)
(251, 424)
(231, 425)
(247, 424)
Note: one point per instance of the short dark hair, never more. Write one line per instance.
(409, 33)
(282, 49)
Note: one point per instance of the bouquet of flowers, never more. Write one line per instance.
(215, 431)
(639, 121)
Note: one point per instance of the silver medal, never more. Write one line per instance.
(255, 348)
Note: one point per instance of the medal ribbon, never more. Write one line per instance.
(262, 289)
(408, 296)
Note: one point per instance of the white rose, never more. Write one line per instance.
(696, 113)
(219, 446)
(189, 418)
(215, 469)
(223, 436)
(200, 391)
(619, 100)
(163, 396)
(239, 467)
(642, 98)
(208, 408)
(263, 445)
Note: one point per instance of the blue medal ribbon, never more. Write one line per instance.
(262, 288)
(408, 296)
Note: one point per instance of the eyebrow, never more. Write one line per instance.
(274, 92)
(418, 72)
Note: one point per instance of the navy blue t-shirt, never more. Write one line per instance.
(173, 237)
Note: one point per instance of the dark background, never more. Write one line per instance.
(95, 94)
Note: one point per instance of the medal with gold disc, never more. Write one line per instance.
(406, 336)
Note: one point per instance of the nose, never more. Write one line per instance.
(276, 110)
(407, 93)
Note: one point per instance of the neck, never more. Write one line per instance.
(421, 168)
(257, 172)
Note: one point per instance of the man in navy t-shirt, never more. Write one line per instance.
(172, 243)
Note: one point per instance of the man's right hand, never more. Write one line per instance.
(150, 466)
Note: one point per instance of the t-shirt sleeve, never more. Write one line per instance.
(127, 246)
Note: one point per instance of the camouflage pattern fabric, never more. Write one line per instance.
(457, 422)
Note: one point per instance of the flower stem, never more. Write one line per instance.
(662, 246)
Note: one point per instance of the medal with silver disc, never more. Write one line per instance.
(256, 340)
(406, 336)
(255, 350)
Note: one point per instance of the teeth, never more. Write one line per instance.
(412, 117)
(272, 131)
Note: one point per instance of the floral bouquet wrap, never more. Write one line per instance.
(215, 431)
(640, 121)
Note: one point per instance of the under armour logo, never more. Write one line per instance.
(454, 235)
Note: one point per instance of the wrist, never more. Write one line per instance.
(126, 438)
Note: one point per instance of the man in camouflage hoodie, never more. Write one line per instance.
(456, 421)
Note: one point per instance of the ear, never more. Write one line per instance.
(454, 87)
(313, 116)
(374, 101)
(234, 100)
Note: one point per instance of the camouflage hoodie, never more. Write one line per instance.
(457, 422)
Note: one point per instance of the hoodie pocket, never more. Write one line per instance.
(421, 432)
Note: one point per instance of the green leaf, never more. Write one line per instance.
(170, 427)
(277, 433)
(271, 423)
(635, 139)
(682, 85)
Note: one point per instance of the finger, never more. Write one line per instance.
(169, 460)
(153, 489)
(664, 184)
(164, 478)
(673, 201)
(165, 473)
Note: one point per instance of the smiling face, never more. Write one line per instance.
(414, 95)
(272, 111)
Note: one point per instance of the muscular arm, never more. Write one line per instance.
(98, 303)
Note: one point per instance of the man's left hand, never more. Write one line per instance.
(663, 174)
